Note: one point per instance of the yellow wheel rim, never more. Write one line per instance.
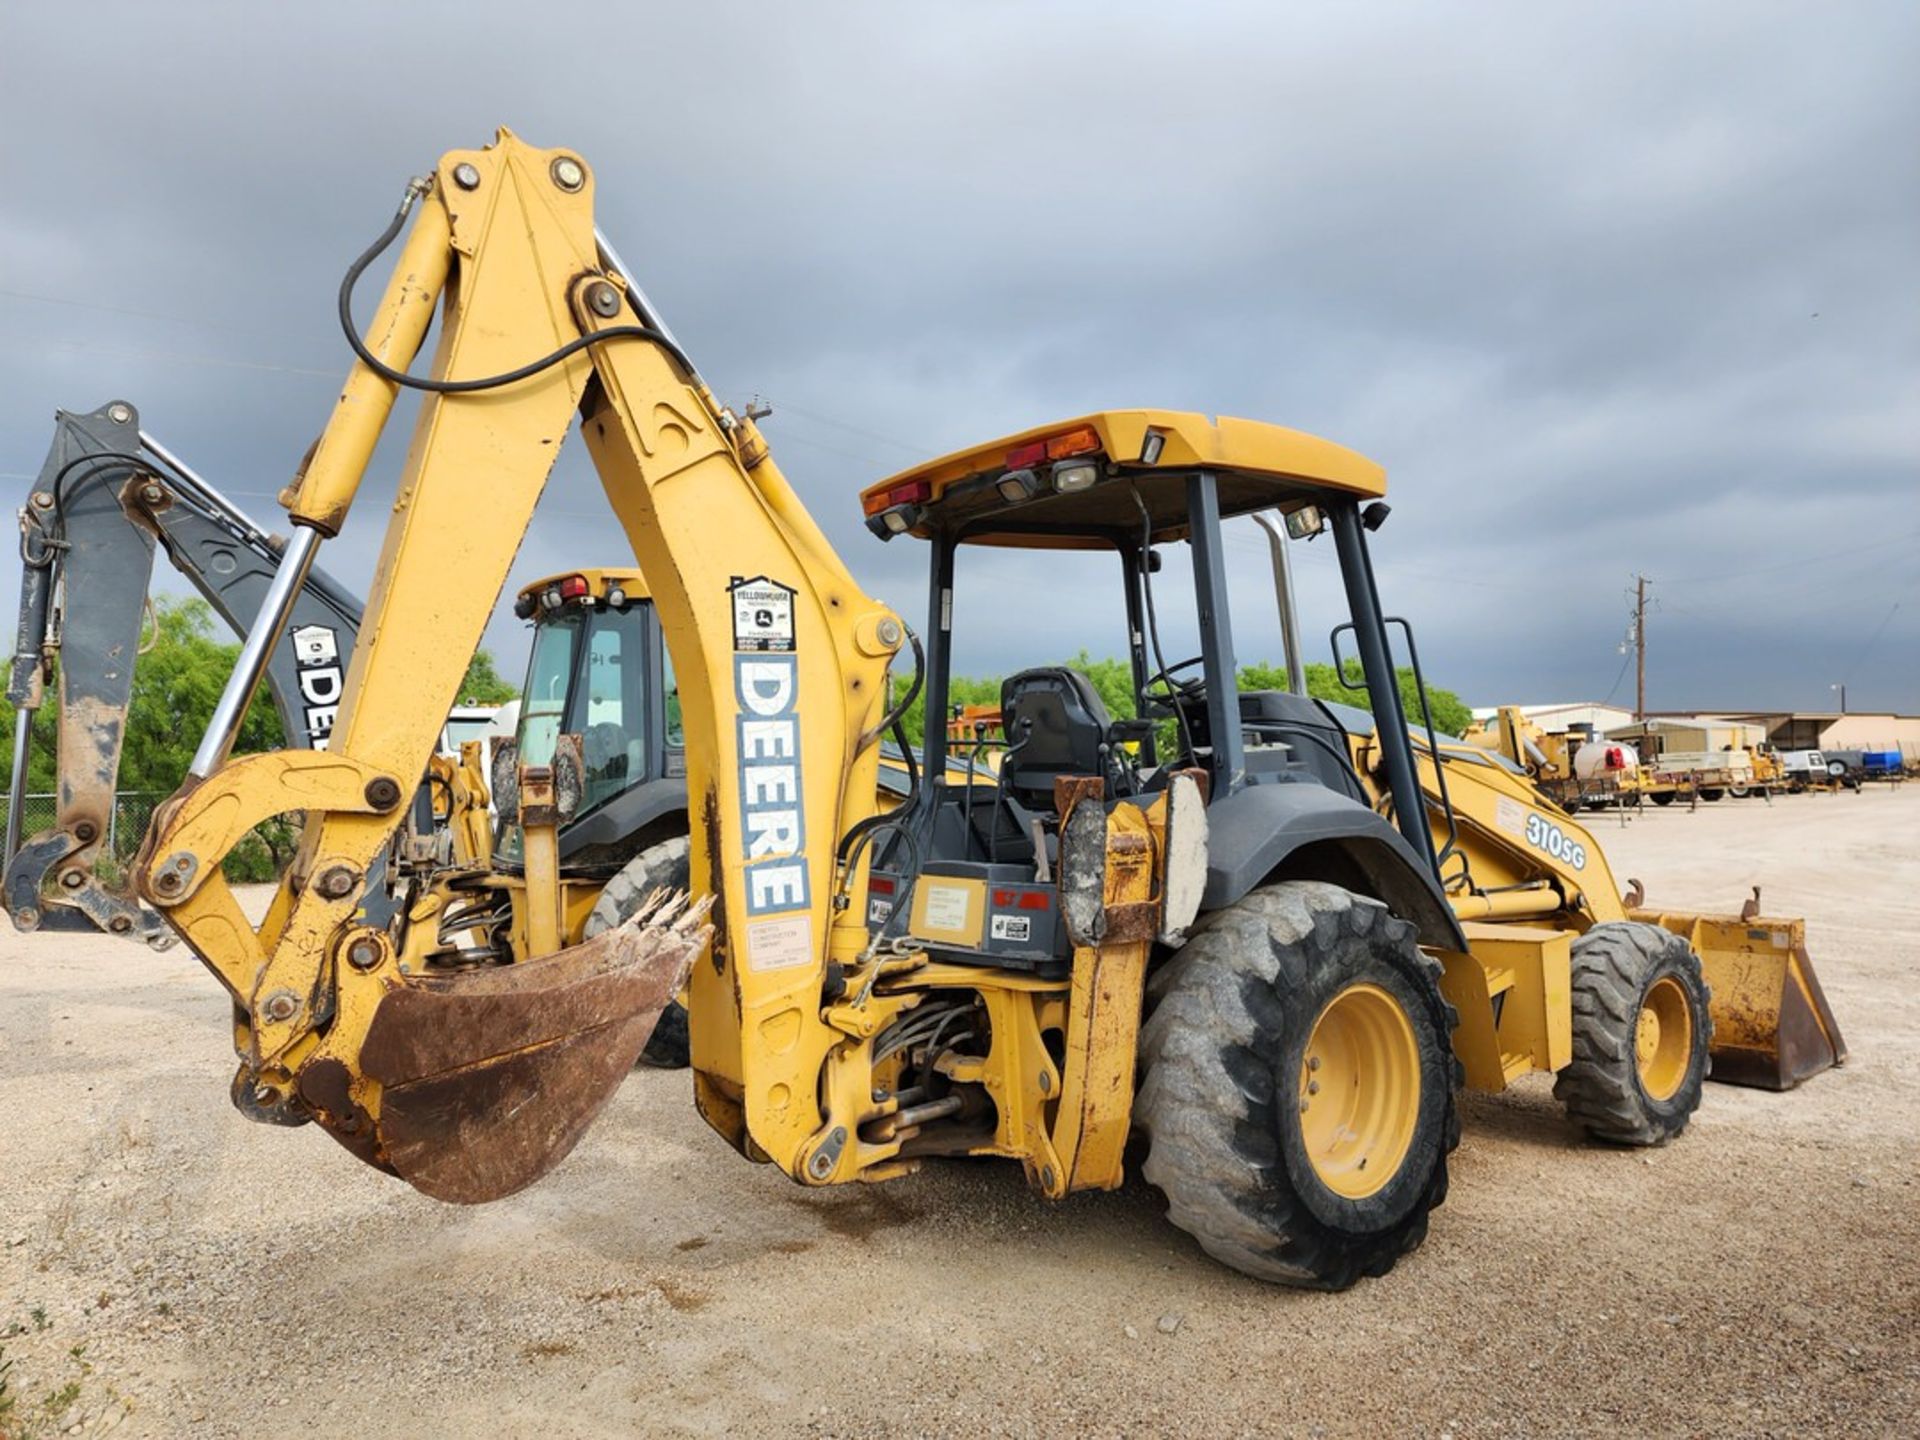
(1663, 1039)
(1359, 1091)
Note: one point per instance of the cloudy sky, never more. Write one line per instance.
(1606, 287)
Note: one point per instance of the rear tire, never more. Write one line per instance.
(1711, 794)
(666, 866)
(1642, 1029)
(1280, 1193)
(1661, 797)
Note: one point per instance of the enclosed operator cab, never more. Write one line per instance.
(598, 669)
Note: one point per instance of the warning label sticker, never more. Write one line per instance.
(762, 614)
(779, 944)
(1510, 815)
(1016, 928)
(946, 906)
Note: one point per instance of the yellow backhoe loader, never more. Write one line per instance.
(1247, 946)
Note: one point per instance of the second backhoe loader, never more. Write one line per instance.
(110, 495)
(1224, 943)
(106, 495)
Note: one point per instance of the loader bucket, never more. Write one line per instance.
(1772, 1027)
(487, 1080)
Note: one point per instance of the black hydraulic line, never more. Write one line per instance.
(891, 720)
(906, 759)
(486, 382)
(126, 461)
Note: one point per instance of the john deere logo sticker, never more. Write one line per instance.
(772, 824)
(316, 658)
(762, 615)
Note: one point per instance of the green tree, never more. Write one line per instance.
(961, 690)
(176, 681)
(483, 684)
(1450, 714)
(1113, 681)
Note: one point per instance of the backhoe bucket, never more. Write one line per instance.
(483, 1082)
(1772, 1027)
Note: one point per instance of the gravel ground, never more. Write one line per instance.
(195, 1274)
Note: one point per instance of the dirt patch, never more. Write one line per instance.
(1757, 1276)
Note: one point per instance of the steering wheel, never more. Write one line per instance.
(1194, 689)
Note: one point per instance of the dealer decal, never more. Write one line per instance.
(762, 615)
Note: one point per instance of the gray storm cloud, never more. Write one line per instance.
(1608, 288)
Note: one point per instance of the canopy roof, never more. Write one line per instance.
(1143, 453)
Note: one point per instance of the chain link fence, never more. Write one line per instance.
(258, 856)
(126, 827)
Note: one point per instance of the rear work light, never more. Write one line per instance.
(1068, 479)
(1017, 485)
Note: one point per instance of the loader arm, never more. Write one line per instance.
(1529, 863)
(471, 1087)
(106, 493)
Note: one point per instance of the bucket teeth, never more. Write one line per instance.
(481, 1083)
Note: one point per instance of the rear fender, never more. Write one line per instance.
(1309, 832)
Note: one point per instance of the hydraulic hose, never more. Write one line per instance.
(487, 382)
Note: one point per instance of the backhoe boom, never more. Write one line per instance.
(780, 663)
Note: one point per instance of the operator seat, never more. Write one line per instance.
(1056, 724)
(604, 748)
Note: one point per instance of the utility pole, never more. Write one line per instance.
(1640, 648)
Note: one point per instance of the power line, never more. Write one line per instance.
(197, 321)
(1625, 661)
(176, 358)
(1799, 562)
(1872, 640)
(788, 407)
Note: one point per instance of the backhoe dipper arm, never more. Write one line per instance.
(471, 1087)
(105, 494)
(76, 546)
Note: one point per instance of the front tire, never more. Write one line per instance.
(1297, 1092)
(1642, 1029)
(666, 866)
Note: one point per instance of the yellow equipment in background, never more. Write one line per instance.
(1551, 759)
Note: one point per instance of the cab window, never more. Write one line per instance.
(608, 706)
